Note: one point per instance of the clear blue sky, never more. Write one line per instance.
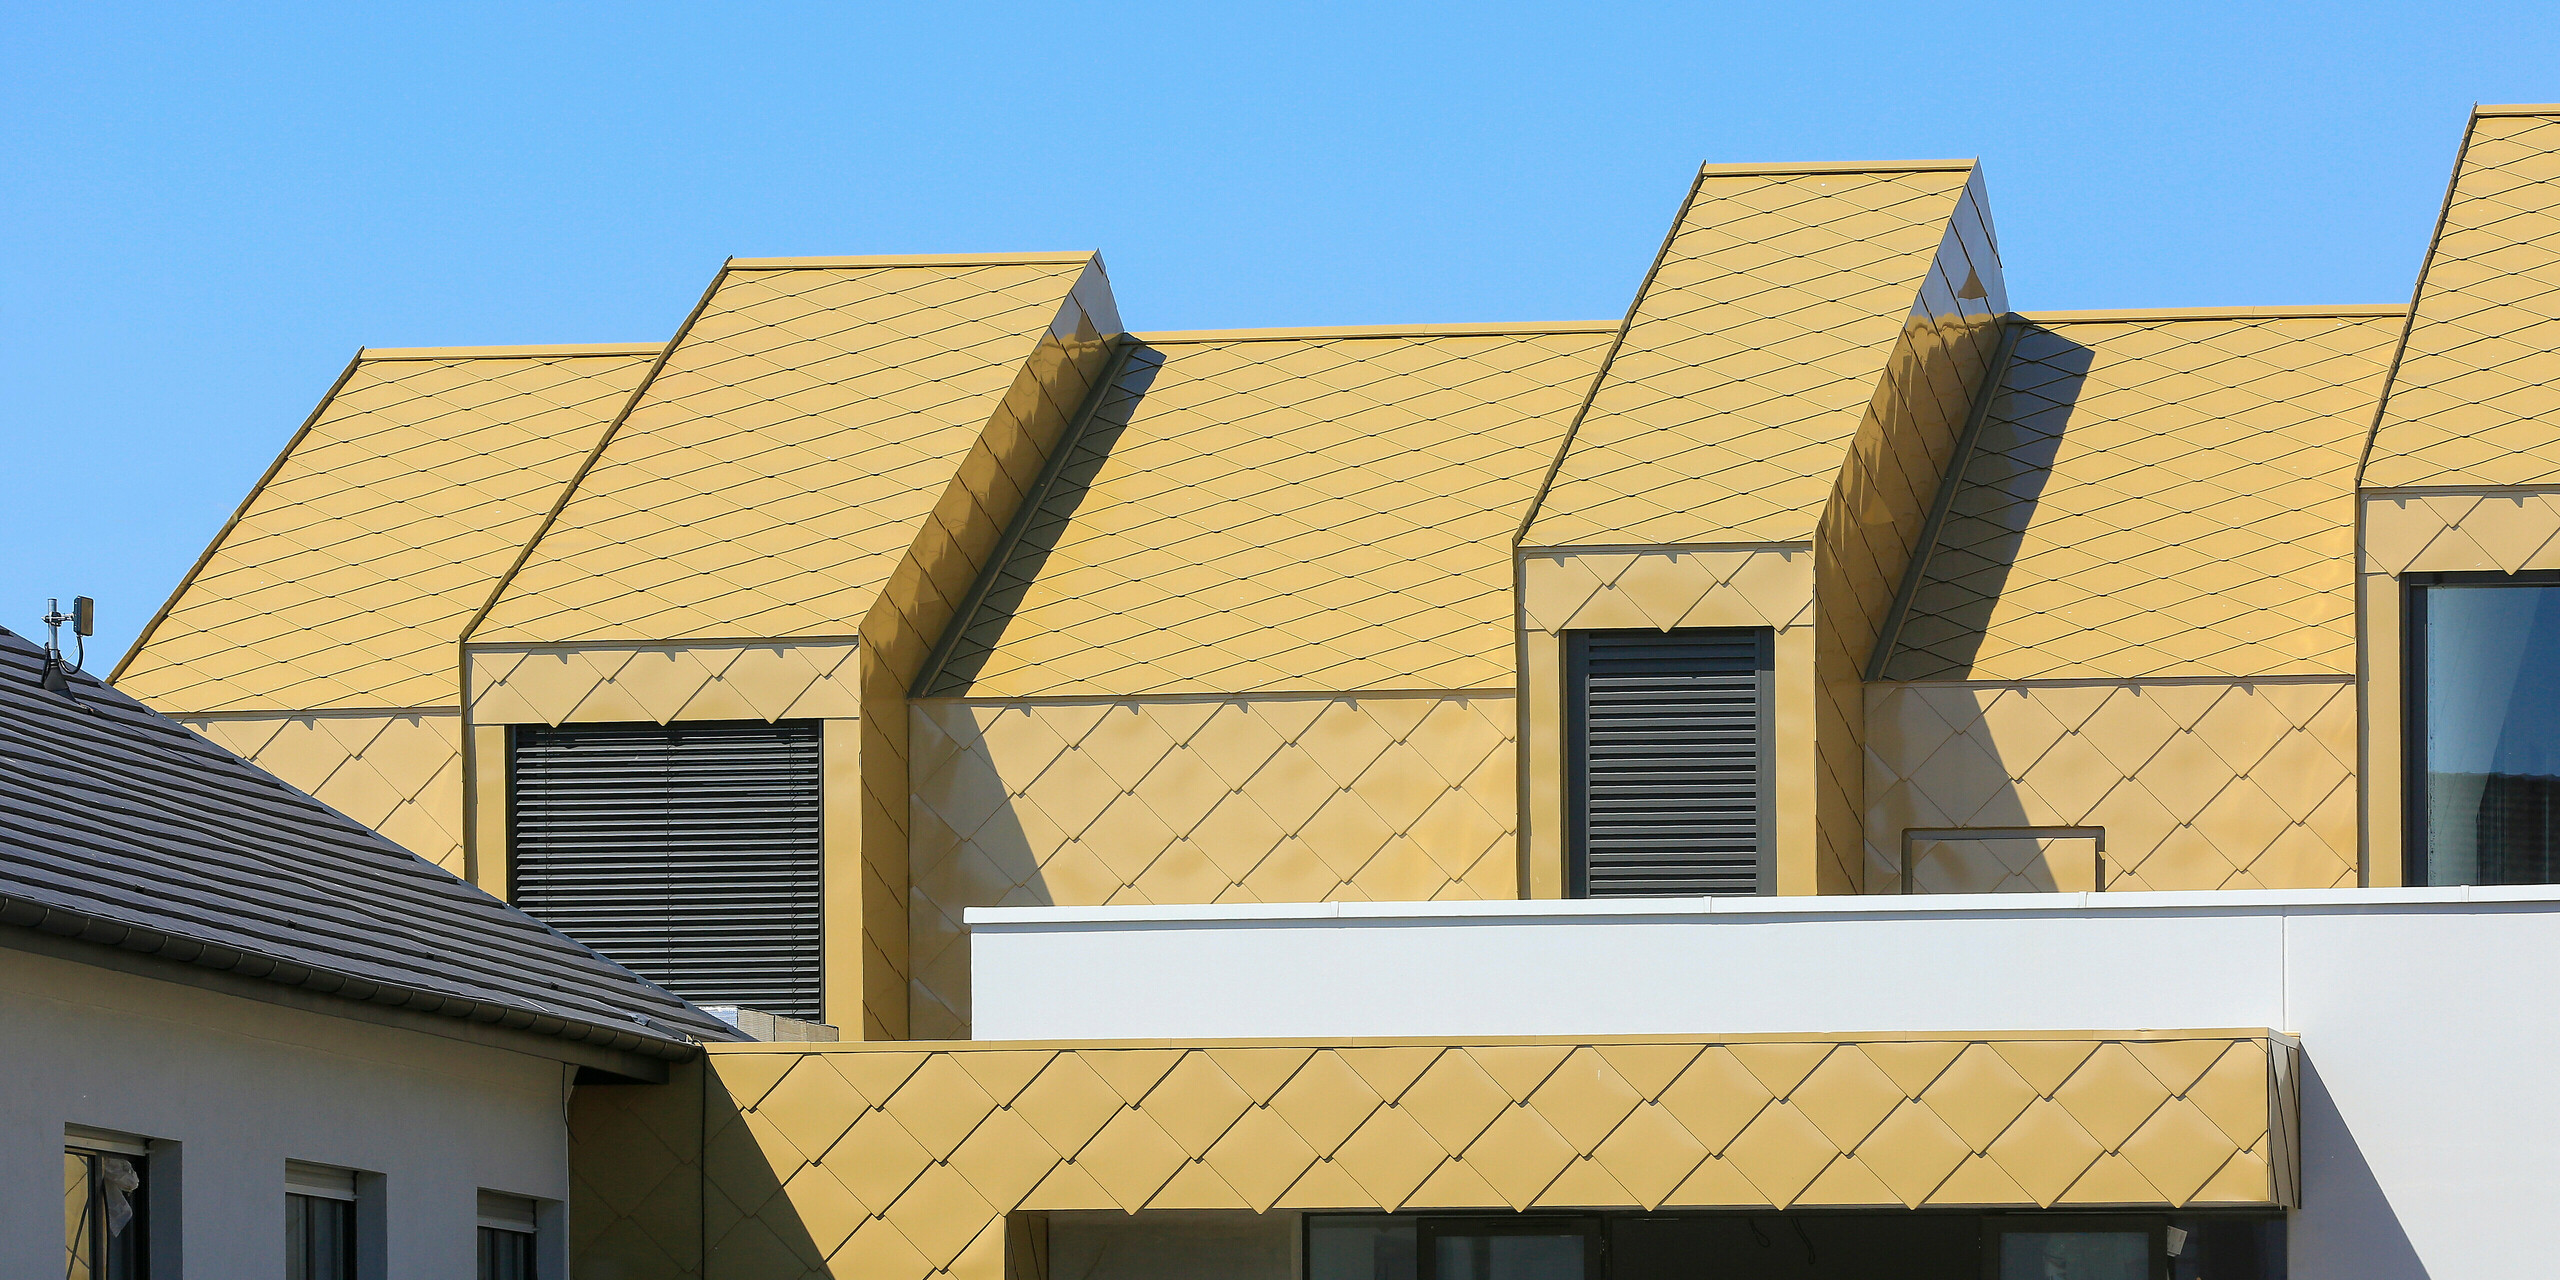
(204, 209)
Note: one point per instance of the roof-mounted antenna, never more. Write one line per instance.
(84, 624)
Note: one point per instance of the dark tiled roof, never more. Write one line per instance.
(120, 827)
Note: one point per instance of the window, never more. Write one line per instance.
(2026, 1247)
(319, 1222)
(1668, 787)
(2484, 730)
(688, 852)
(106, 1207)
(1684, 1244)
(1511, 1247)
(506, 1237)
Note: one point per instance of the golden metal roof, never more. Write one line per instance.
(1750, 356)
(347, 576)
(2474, 398)
(781, 464)
(1292, 510)
(2156, 495)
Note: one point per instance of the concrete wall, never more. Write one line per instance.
(2426, 1027)
(242, 1086)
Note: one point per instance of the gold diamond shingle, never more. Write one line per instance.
(2478, 388)
(794, 1171)
(1317, 513)
(1750, 359)
(2157, 497)
(781, 465)
(350, 574)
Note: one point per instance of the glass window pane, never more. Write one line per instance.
(2075, 1255)
(1509, 1257)
(1360, 1247)
(319, 1238)
(505, 1255)
(78, 1235)
(2491, 738)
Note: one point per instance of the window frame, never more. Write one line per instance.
(526, 1229)
(1996, 1225)
(2413, 700)
(92, 1146)
(1592, 1227)
(1577, 799)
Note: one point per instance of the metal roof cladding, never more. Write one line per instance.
(118, 827)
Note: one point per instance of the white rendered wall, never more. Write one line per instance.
(242, 1086)
(2429, 1019)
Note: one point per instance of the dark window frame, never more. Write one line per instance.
(2413, 700)
(492, 1267)
(2156, 1225)
(1576, 730)
(1591, 1227)
(108, 1260)
(351, 1228)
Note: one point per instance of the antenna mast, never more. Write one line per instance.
(84, 624)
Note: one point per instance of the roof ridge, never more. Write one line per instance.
(1781, 168)
(1043, 259)
(2352, 309)
(524, 351)
(1463, 330)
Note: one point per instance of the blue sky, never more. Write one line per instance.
(205, 209)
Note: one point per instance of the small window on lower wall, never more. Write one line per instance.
(319, 1222)
(2483, 729)
(106, 1206)
(507, 1237)
(2003, 859)
(1669, 789)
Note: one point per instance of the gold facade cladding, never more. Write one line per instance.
(2513, 531)
(2473, 399)
(399, 773)
(827, 451)
(1248, 516)
(1751, 357)
(2136, 612)
(893, 1162)
(1877, 514)
(349, 572)
(1600, 590)
(1302, 511)
(661, 683)
(1795, 371)
(1392, 797)
(2155, 495)
(2196, 784)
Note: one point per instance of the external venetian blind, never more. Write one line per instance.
(687, 852)
(1668, 762)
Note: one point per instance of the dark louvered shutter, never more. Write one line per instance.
(687, 852)
(1668, 762)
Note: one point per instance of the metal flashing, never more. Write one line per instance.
(1751, 170)
(919, 260)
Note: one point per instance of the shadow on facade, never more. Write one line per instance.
(2000, 482)
(639, 1205)
(2358, 1233)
